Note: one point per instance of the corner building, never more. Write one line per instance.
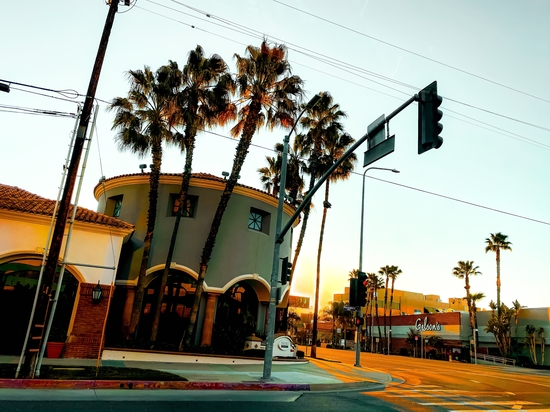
(237, 283)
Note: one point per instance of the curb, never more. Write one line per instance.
(136, 384)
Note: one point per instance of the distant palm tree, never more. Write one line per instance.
(476, 297)
(464, 270)
(335, 145)
(516, 308)
(375, 284)
(144, 120)
(385, 272)
(353, 274)
(393, 275)
(323, 118)
(270, 175)
(203, 100)
(269, 95)
(335, 312)
(495, 243)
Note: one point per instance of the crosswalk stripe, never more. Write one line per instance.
(480, 403)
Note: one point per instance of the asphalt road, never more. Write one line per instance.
(419, 385)
(428, 385)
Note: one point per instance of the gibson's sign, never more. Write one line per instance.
(424, 326)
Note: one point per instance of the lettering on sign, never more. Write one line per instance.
(424, 326)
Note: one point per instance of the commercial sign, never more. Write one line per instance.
(424, 326)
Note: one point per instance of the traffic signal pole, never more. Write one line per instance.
(42, 308)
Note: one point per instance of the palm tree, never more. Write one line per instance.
(496, 243)
(335, 145)
(476, 297)
(335, 312)
(385, 272)
(270, 174)
(375, 283)
(203, 100)
(268, 94)
(321, 119)
(353, 274)
(393, 275)
(144, 120)
(464, 270)
(516, 308)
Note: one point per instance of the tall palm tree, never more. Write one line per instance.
(203, 100)
(323, 118)
(495, 243)
(335, 312)
(144, 120)
(385, 271)
(464, 270)
(516, 308)
(269, 95)
(335, 145)
(393, 275)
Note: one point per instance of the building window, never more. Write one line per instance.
(188, 209)
(114, 205)
(259, 220)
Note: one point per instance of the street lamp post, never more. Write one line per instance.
(358, 347)
(268, 356)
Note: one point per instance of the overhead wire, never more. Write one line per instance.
(411, 52)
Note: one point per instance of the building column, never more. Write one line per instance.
(85, 338)
(208, 324)
(127, 310)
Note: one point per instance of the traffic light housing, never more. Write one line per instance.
(362, 287)
(359, 321)
(286, 271)
(358, 290)
(429, 116)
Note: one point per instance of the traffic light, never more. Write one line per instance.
(286, 271)
(362, 287)
(359, 321)
(429, 116)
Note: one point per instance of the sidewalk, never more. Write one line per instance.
(209, 372)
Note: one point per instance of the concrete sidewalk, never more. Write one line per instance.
(210, 372)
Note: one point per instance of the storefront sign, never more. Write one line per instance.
(425, 326)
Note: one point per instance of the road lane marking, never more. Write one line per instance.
(481, 403)
(499, 410)
(475, 381)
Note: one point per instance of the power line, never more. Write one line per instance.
(411, 52)
(348, 67)
(408, 187)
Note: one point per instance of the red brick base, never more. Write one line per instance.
(85, 338)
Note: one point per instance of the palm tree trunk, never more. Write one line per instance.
(303, 227)
(318, 277)
(378, 319)
(385, 306)
(240, 155)
(391, 307)
(151, 217)
(186, 177)
(498, 282)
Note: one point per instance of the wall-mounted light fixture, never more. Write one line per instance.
(143, 166)
(97, 293)
(225, 174)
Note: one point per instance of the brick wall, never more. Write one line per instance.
(84, 340)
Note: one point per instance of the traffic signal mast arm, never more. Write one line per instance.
(427, 96)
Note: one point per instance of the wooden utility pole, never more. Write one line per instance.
(42, 308)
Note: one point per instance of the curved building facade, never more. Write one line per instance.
(237, 283)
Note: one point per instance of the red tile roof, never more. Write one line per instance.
(19, 200)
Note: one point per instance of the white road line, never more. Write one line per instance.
(499, 410)
(481, 403)
(475, 381)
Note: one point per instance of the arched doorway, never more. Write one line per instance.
(236, 314)
(18, 281)
(179, 295)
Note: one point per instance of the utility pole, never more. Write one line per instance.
(43, 306)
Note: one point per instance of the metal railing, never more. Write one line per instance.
(496, 359)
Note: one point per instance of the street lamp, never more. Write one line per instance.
(268, 356)
(358, 348)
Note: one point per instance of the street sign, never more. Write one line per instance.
(384, 148)
(350, 308)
